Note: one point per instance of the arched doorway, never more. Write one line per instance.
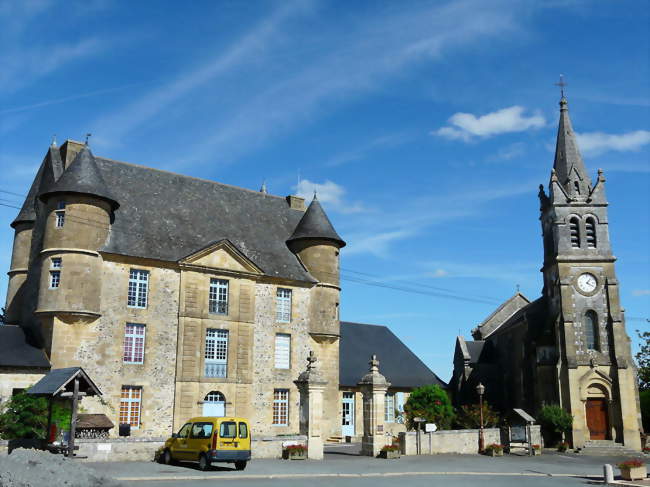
(214, 404)
(597, 412)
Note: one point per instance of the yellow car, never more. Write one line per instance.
(208, 440)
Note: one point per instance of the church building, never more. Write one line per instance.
(568, 347)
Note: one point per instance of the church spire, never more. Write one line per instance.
(568, 165)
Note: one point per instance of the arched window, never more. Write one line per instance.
(574, 228)
(576, 185)
(591, 330)
(590, 232)
(214, 404)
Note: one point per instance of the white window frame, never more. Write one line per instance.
(282, 351)
(218, 296)
(216, 353)
(55, 279)
(59, 215)
(283, 305)
(389, 407)
(138, 293)
(280, 407)
(131, 339)
(130, 400)
(56, 263)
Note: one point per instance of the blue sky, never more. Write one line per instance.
(425, 126)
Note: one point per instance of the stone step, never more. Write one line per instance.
(334, 439)
(606, 448)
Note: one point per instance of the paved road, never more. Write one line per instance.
(342, 467)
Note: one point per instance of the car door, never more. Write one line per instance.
(180, 443)
(228, 435)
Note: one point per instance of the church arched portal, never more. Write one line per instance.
(597, 412)
(214, 404)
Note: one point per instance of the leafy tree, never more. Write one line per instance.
(3, 316)
(432, 403)
(25, 416)
(469, 417)
(643, 360)
(555, 422)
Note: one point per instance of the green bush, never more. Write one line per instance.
(25, 416)
(644, 398)
(469, 417)
(555, 422)
(431, 403)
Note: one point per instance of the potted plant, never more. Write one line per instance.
(389, 451)
(294, 452)
(562, 446)
(494, 450)
(633, 469)
(537, 449)
(646, 449)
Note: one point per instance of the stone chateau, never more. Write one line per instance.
(569, 346)
(182, 297)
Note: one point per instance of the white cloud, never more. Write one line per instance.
(595, 143)
(377, 244)
(641, 292)
(439, 273)
(329, 194)
(465, 126)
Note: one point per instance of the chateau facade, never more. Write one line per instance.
(568, 347)
(182, 297)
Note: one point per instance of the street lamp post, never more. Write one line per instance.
(480, 389)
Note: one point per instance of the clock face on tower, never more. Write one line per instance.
(587, 282)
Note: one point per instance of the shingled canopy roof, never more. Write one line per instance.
(62, 380)
(15, 351)
(401, 367)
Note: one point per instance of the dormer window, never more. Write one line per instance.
(590, 232)
(574, 229)
(59, 214)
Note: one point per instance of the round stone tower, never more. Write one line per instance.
(77, 217)
(317, 245)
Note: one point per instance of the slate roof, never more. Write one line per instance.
(59, 380)
(169, 216)
(500, 316)
(401, 367)
(535, 312)
(475, 348)
(16, 352)
(315, 225)
(82, 176)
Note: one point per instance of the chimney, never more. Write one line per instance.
(296, 202)
(69, 149)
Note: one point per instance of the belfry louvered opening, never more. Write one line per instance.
(590, 232)
(574, 228)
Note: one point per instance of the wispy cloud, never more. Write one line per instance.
(363, 150)
(594, 143)
(354, 57)
(329, 193)
(508, 153)
(518, 273)
(641, 292)
(466, 126)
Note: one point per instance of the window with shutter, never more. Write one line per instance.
(574, 228)
(590, 233)
(282, 351)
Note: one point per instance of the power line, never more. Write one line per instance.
(12, 193)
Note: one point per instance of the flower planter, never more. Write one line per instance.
(389, 454)
(634, 473)
(294, 455)
(536, 451)
(494, 453)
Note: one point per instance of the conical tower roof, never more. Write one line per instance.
(45, 177)
(82, 177)
(314, 225)
(568, 164)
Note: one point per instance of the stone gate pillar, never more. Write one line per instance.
(373, 386)
(311, 385)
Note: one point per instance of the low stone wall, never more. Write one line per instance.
(271, 446)
(447, 441)
(459, 441)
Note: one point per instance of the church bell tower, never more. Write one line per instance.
(596, 377)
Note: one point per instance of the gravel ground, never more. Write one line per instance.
(35, 468)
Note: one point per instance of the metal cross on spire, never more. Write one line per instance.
(561, 84)
(88, 135)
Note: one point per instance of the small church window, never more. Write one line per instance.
(574, 229)
(590, 232)
(576, 185)
(591, 330)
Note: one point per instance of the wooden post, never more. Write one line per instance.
(49, 420)
(73, 420)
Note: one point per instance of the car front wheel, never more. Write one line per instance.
(167, 458)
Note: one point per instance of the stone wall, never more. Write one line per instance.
(12, 378)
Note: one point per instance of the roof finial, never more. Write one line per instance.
(315, 196)
(263, 188)
(517, 288)
(561, 84)
(88, 135)
(53, 143)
